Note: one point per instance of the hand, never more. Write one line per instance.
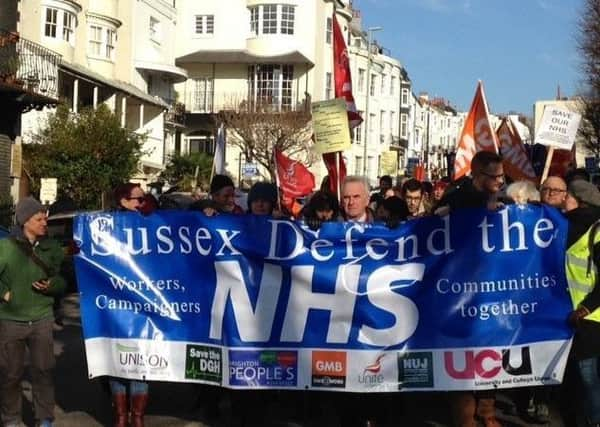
(392, 223)
(6, 296)
(576, 315)
(210, 211)
(277, 214)
(442, 211)
(41, 285)
(313, 223)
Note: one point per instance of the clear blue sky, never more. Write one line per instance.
(521, 49)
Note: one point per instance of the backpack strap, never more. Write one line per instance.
(27, 249)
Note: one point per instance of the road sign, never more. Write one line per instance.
(249, 170)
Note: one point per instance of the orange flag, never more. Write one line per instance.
(514, 158)
(477, 135)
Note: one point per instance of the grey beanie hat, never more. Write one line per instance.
(585, 192)
(26, 208)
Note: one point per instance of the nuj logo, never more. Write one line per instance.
(486, 364)
(372, 375)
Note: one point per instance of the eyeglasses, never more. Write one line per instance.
(492, 176)
(552, 191)
(140, 199)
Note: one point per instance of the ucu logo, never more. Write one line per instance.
(487, 364)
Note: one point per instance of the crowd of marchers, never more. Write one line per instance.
(30, 281)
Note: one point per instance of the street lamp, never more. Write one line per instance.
(370, 32)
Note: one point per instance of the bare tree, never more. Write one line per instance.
(588, 41)
(259, 129)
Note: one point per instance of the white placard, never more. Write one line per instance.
(48, 190)
(558, 128)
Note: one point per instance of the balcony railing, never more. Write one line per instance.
(27, 65)
(213, 102)
(176, 114)
(398, 142)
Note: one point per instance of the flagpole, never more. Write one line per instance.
(548, 164)
(338, 184)
(277, 179)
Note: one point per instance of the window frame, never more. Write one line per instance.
(51, 22)
(201, 94)
(362, 73)
(154, 29)
(329, 30)
(104, 47)
(206, 24)
(272, 19)
(277, 87)
(404, 96)
(328, 85)
(403, 125)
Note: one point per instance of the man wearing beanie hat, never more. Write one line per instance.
(222, 198)
(29, 280)
(262, 198)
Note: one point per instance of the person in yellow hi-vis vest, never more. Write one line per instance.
(582, 260)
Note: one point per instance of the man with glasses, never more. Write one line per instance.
(412, 193)
(480, 190)
(554, 192)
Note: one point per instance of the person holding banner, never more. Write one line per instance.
(129, 197)
(262, 198)
(29, 280)
(554, 191)
(582, 261)
(480, 190)
(355, 199)
(222, 198)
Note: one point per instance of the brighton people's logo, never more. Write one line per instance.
(253, 368)
(203, 363)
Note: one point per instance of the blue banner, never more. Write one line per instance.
(456, 302)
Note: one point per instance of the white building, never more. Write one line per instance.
(115, 52)
(243, 51)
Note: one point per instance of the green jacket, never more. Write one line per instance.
(17, 273)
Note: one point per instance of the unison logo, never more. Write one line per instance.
(132, 356)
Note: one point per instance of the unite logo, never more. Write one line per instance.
(329, 369)
(487, 364)
(371, 375)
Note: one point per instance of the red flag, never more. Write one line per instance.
(419, 172)
(477, 135)
(341, 74)
(330, 164)
(294, 179)
(562, 162)
(514, 157)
